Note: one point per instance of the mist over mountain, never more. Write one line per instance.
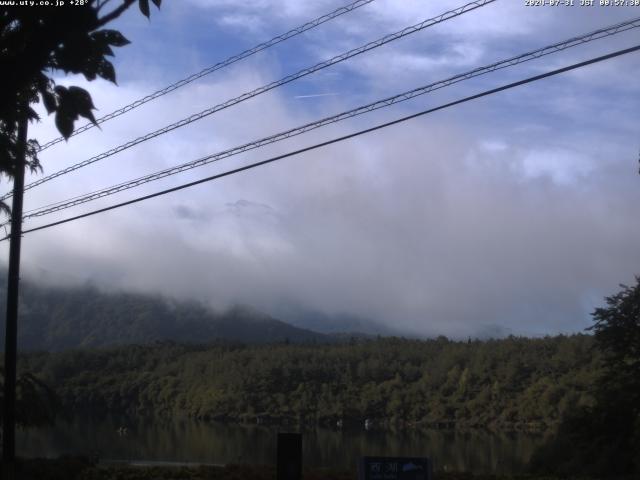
(318, 321)
(65, 316)
(60, 318)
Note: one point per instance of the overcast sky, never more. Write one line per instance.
(517, 211)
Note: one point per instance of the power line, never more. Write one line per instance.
(290, 78)
(225, 63)
(532, 55)
(340, 139)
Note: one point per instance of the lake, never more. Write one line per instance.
(192, 441)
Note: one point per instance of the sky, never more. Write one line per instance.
(515, 213)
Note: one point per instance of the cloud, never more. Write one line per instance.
(510, 214)
(563, 167)
(184, 212)
(315, 95)
(253, 23)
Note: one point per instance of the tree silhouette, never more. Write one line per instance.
(604, 439)
(37, 403)
(37, 41)
(617, 332)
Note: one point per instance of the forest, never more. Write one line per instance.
(508, 384)
(583, 390)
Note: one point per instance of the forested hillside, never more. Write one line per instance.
(514, 383)
(61, 318)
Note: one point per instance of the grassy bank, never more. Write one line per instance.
(83, 469)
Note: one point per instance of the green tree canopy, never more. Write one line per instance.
(617, 332)
(604, 439)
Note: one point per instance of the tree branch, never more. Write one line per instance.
(114, 13)
(102, 4)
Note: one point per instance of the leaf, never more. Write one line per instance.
(72, 102)
(32, 115)
(75, 56)
(60, 90)
(31, 154)
(106, 71)
(157, 3)
(111, 37)
(88, 54)
(81, 98)
(49, 100)
(117, 39)
(82, 102)
(144, 7)
(64, 124)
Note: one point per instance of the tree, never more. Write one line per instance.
(604, 439)
(35, 42)
(617, 333)
(37, 403)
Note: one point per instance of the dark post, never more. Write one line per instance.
(11, 331)
(289, 465)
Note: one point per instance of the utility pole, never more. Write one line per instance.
(11, 329)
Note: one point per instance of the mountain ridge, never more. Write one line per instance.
(54, 318)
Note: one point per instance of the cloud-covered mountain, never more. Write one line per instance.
(59, 318)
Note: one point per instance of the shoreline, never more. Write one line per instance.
(348, 425)
(81, 468)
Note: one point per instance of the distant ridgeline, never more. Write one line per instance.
(57, 318)
(514, 383)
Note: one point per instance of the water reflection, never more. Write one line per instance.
(185, 440)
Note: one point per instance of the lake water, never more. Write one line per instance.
(190, 441)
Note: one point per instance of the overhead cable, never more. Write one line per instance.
(525, 57)
(283, 81)
(220, 65)
(339, 139)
